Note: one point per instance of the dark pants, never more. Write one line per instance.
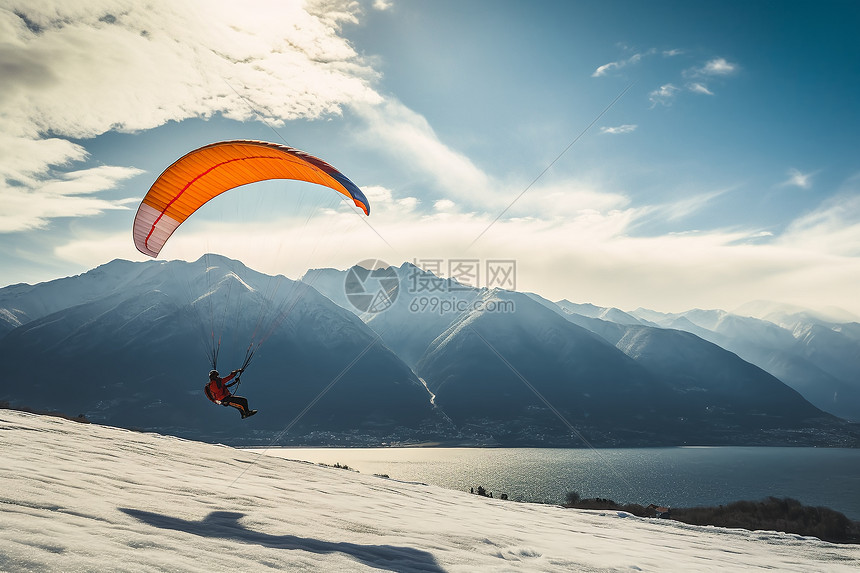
(237, 402)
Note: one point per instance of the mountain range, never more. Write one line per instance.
(809, 352)
(668, 385)
(129, 344)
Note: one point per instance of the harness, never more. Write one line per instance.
(208, 391)
(211, 395)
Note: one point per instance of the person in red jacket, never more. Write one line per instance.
(218, 391)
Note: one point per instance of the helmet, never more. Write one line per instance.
(213, 374)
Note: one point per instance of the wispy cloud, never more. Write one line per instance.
(617, 65)
(713, 67)
(396, 129)
(665, 95)
(699, 88)
(672, 53)
(699, 80)
(73, 194)
(683, 208)
(796, 178)
(619, 129)
(833, 228)
(590, 231)
(606, 68)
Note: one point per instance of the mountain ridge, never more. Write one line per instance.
(445, 362)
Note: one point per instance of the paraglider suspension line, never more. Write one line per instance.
(249, 354)
(216, 347)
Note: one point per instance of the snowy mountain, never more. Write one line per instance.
(483, 365)
(454, 336)
(83, 497)
(603, 313)
(424, 307)
(819, 359)
(672, 387)
(531, 373)
(132, 348)
(424, 359)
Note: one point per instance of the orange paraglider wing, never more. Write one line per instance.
(213, 169)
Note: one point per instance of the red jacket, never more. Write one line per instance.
(218, 388)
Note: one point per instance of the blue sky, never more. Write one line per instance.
(728, 171)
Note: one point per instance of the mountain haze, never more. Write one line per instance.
(667, 386)
(819, 359)
(138, 354)
(130, 344)
(491, 365)
(425, 306)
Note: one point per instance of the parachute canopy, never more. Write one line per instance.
(209, 171)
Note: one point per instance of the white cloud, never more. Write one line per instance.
(444, 205)
(719, 67)
(665, 95)
(408, 204)
(578, 244)
(618, 129)
(398, 130)
(713, 67)
(80, 69)
(69, 195)
(672, 53)
(382, 4)
(699, 88)
(682, 208)
(833, 228)
(377, 194)
(798, 179)
(23, 161)
(568, 199)
(170, 61)
(606, 68)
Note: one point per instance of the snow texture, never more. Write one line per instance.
(79, 497)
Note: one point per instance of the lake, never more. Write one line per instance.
(674, 477)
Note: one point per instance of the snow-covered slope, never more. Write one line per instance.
(78, 497)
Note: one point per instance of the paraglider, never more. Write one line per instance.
(217, 390)
(213, 169)
(207, 172)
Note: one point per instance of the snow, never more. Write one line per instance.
(83, 497)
